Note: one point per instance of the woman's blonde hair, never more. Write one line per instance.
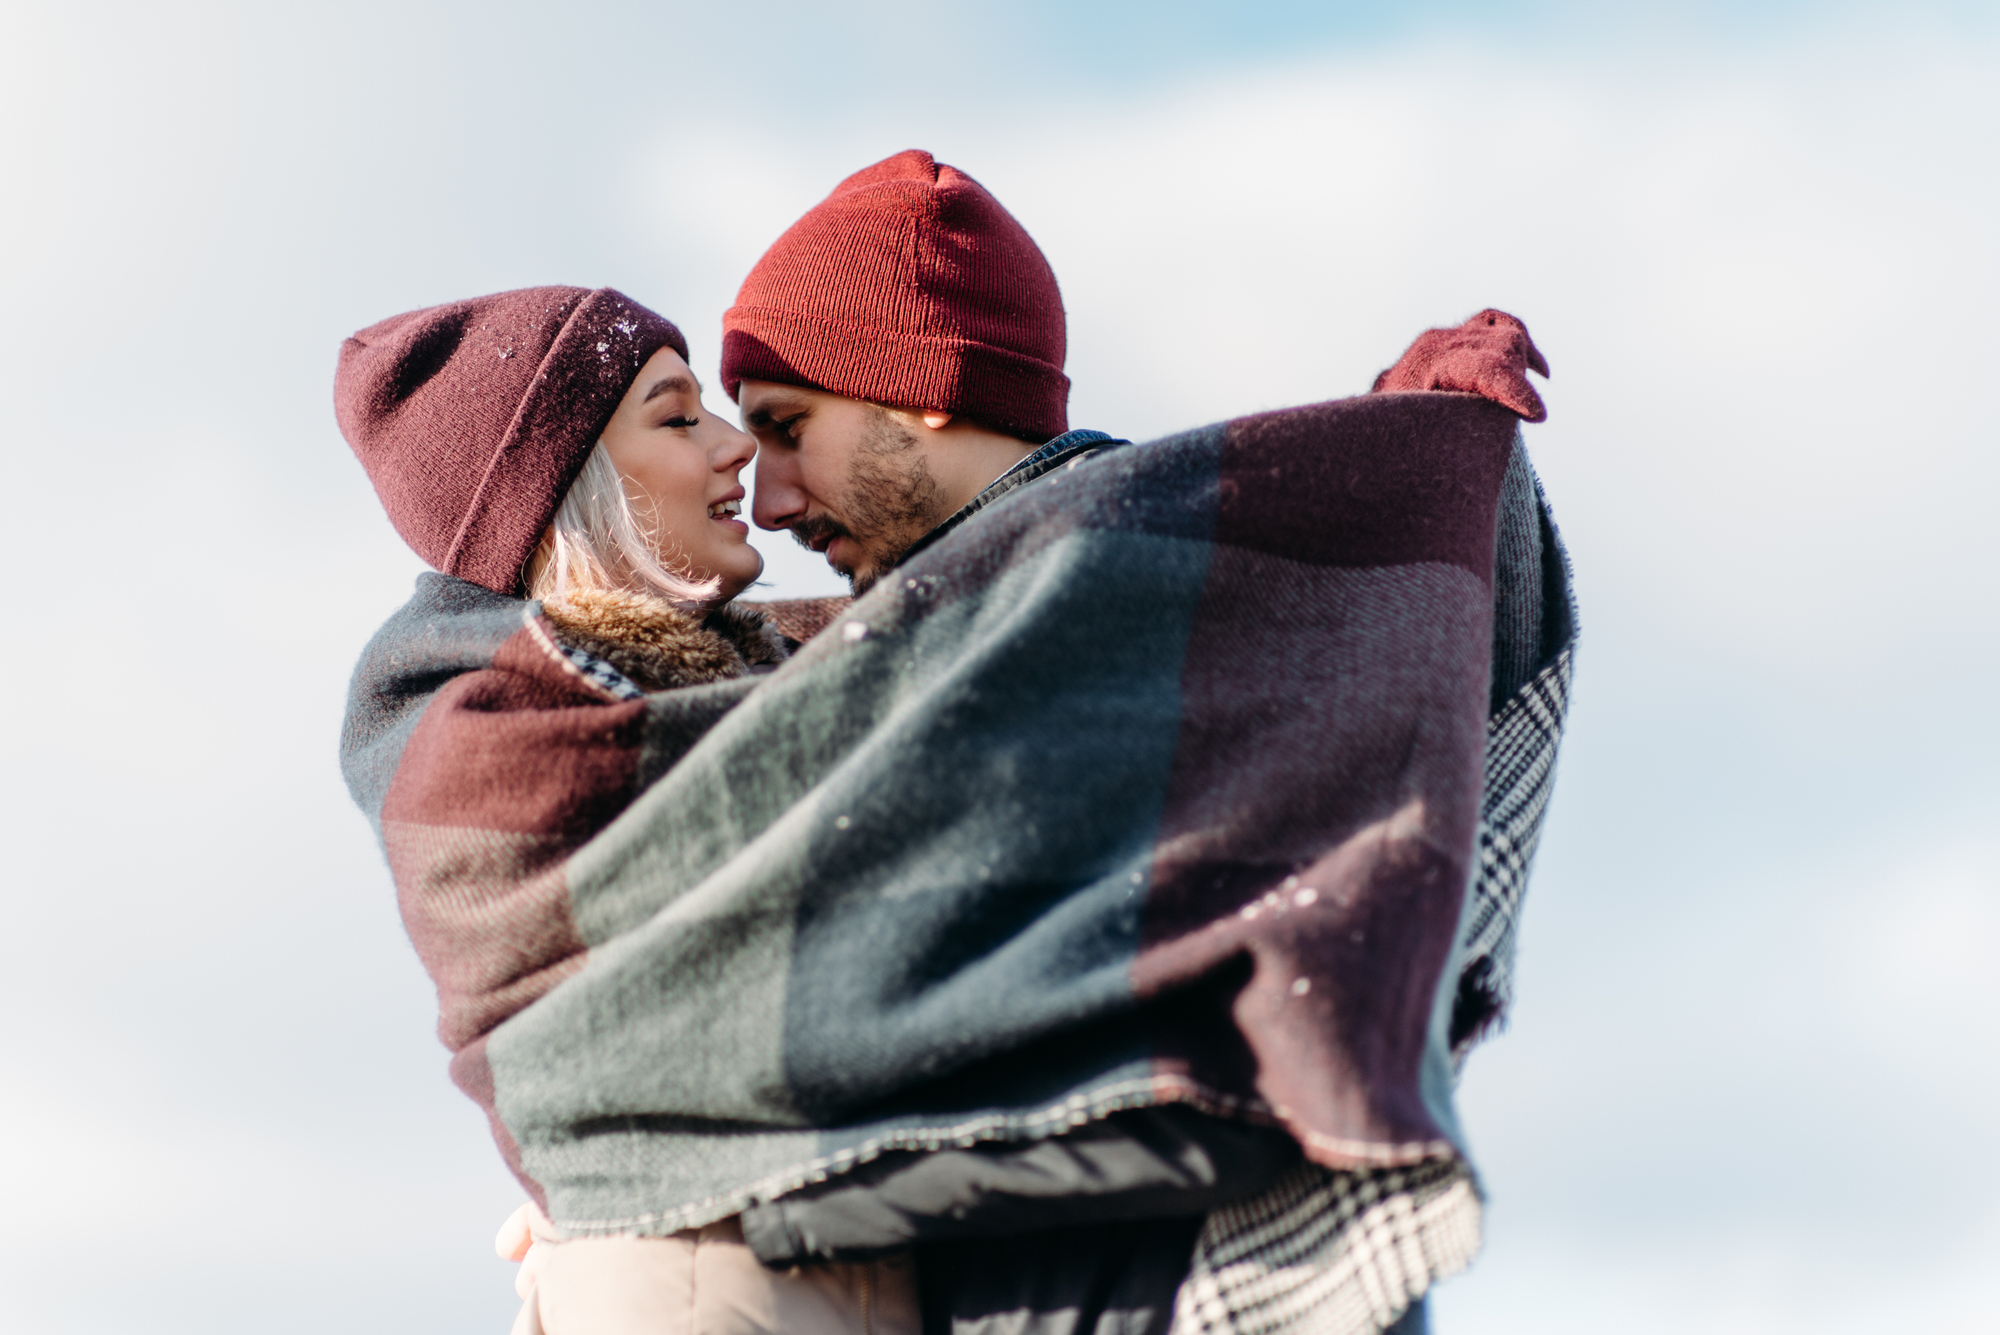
(598, 540)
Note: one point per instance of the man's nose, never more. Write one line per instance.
(777, 501)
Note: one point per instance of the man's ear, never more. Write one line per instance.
(937, 421)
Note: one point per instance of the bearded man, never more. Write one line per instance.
(898, 353)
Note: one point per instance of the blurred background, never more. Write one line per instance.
(1751, 1082)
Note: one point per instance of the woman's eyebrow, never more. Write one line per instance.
(670, 384)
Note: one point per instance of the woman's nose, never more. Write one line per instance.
(734, 450)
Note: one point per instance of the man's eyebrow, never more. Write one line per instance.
(765, 416)
(670, 384)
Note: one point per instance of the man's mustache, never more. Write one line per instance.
(815, 531)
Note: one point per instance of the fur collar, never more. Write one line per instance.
(659, 646)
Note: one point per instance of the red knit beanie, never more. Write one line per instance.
(908, 285)
(473, 418)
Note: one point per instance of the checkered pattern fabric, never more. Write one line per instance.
(1521, 742)
(1330, 1253)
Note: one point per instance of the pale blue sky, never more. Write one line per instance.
(1750, 1086)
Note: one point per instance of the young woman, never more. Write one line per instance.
(548, 453)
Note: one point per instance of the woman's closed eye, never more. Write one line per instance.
(681, 421)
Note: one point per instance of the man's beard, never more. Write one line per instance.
(892, 500)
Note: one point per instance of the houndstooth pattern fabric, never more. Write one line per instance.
(1330, 1253)
(1521, 742)
(601, 674)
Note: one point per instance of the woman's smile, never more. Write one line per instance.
(726, 510)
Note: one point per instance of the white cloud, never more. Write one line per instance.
(1919, 957)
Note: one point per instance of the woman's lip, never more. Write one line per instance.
(732, 522)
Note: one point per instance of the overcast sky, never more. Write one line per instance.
(1750, 1085)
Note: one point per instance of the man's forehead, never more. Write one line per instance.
(762, 400)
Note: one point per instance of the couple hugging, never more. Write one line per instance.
(1079, 930)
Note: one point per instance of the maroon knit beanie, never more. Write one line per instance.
(908, 285)
(473, 418)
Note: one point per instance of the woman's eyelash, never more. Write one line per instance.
(681, 421)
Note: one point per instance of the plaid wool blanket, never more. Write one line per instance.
(1195, 772)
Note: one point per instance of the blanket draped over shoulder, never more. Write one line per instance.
(1158, 781)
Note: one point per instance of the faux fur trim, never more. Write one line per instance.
(753, 634)
(659, 646)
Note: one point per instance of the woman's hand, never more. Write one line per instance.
(527, 1237)
(1489, 355)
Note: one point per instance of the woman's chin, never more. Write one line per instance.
(731, 584)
